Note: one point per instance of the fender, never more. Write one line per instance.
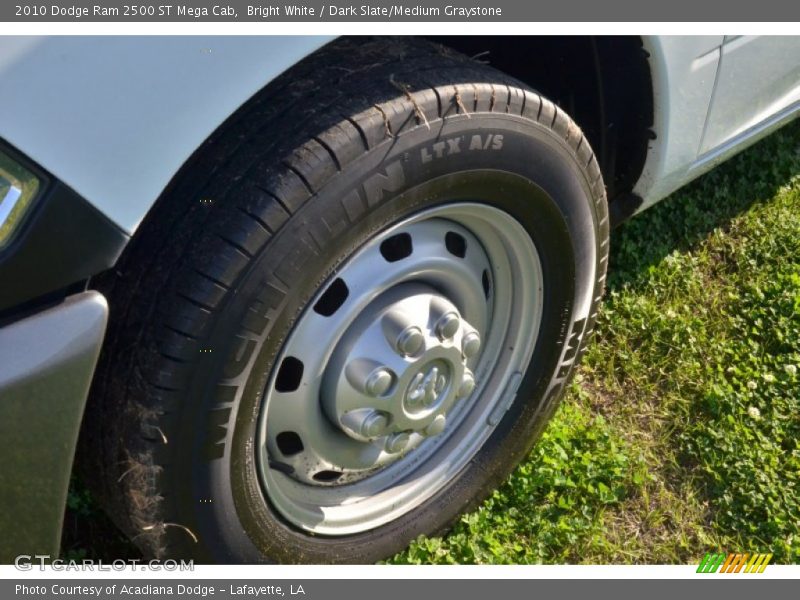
(683, 70)
(115, 125)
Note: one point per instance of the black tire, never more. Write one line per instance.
(309, 170)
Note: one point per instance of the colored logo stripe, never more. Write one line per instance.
(734, 563)
(710, 563)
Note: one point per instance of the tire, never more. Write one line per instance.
(370, 148)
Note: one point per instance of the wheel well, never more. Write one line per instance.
(603, 83)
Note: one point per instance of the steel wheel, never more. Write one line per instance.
(400, 369)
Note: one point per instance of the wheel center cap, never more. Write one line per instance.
(399, 369)
(427, 388)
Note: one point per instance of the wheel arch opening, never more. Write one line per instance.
(603, 82)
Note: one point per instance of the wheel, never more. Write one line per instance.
(351, 315)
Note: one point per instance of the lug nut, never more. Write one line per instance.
(467, 384)
(401, 333)
(369, 376)
(374, 424)
(397, 442)
(365, 424)
(471, 344)
(378, 382)
(436, 426)
(410, 341)
(447, 325)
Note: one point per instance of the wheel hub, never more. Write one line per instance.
(400, 368)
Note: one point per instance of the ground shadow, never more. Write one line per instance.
(691, 214)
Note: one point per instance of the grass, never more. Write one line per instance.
(681, 432)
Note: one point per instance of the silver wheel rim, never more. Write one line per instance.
(400, 369)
